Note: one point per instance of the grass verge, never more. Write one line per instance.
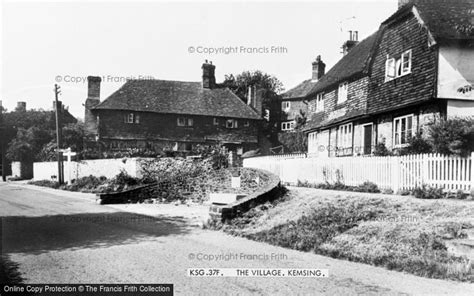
(395, 232)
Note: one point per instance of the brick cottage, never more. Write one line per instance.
(173, 115)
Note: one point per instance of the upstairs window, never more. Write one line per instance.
(247, 123)
(342, 92)
(185, 121)
(231, 123)
(319, 103)
(216, 121)
(397, 67)
(287, 126)
(285, 106)
(402, 130)
(131, 118)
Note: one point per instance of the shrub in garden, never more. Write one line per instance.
(452, 136)
(427, 192)
(368, 186)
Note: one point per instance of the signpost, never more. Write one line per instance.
(69, 154)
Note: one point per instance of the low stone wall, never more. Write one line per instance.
(229, 211)
(96, 167)
(138, 194)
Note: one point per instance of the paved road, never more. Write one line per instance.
(65, 238)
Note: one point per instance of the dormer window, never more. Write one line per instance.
(185, 121)
(397, 67)
(342, 92)
(319, 102)
(288, 126)
(231, 123)
(131, 118)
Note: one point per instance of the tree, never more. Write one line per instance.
(452, 136)
(28, 143)
(73, 135)
(239, 84)
(270, 87)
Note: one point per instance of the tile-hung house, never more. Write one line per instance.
(418, 67)
(423, 65)
(294, 102)
(338, 101)
(173, 115)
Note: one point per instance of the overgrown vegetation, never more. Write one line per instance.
(364, 187)
(395, 233)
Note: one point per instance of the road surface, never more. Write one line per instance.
(62, 237)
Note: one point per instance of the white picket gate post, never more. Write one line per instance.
(472, 172)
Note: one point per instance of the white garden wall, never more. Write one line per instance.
(97, 167)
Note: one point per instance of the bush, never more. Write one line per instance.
(381, 150)
(427, 192)
(417, 145)
(452, 136)
(368, 186)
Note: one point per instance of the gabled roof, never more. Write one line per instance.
(445, 19)
(300, 91)
(177, 97)
(356, 62)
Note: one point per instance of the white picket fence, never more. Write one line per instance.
(451, 173)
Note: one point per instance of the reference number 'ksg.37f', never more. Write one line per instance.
(257, 272)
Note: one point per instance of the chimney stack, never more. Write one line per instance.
(21, 106)
(60, 105)
(208, 75)
(255, 99)
(93, 99)
(349, 44)
(404, 2)
(318, 69)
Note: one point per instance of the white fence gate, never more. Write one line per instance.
(451, 173)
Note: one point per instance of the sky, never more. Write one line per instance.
(44, 43)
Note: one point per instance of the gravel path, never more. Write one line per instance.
(63, 238)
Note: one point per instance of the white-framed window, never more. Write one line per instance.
(231, 123)
(402, 130)
(131, 118)
(185, 121)
(285, 106)
(313, 142)
(397, 67)
(319, 102)
(288, 126)
(344, 136)
(246, 123)
(216, 121)
(342, 92)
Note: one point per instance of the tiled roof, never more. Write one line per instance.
(321, 119)
(177, 97)
(300, 91)
(356, 62)
(446, 19)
